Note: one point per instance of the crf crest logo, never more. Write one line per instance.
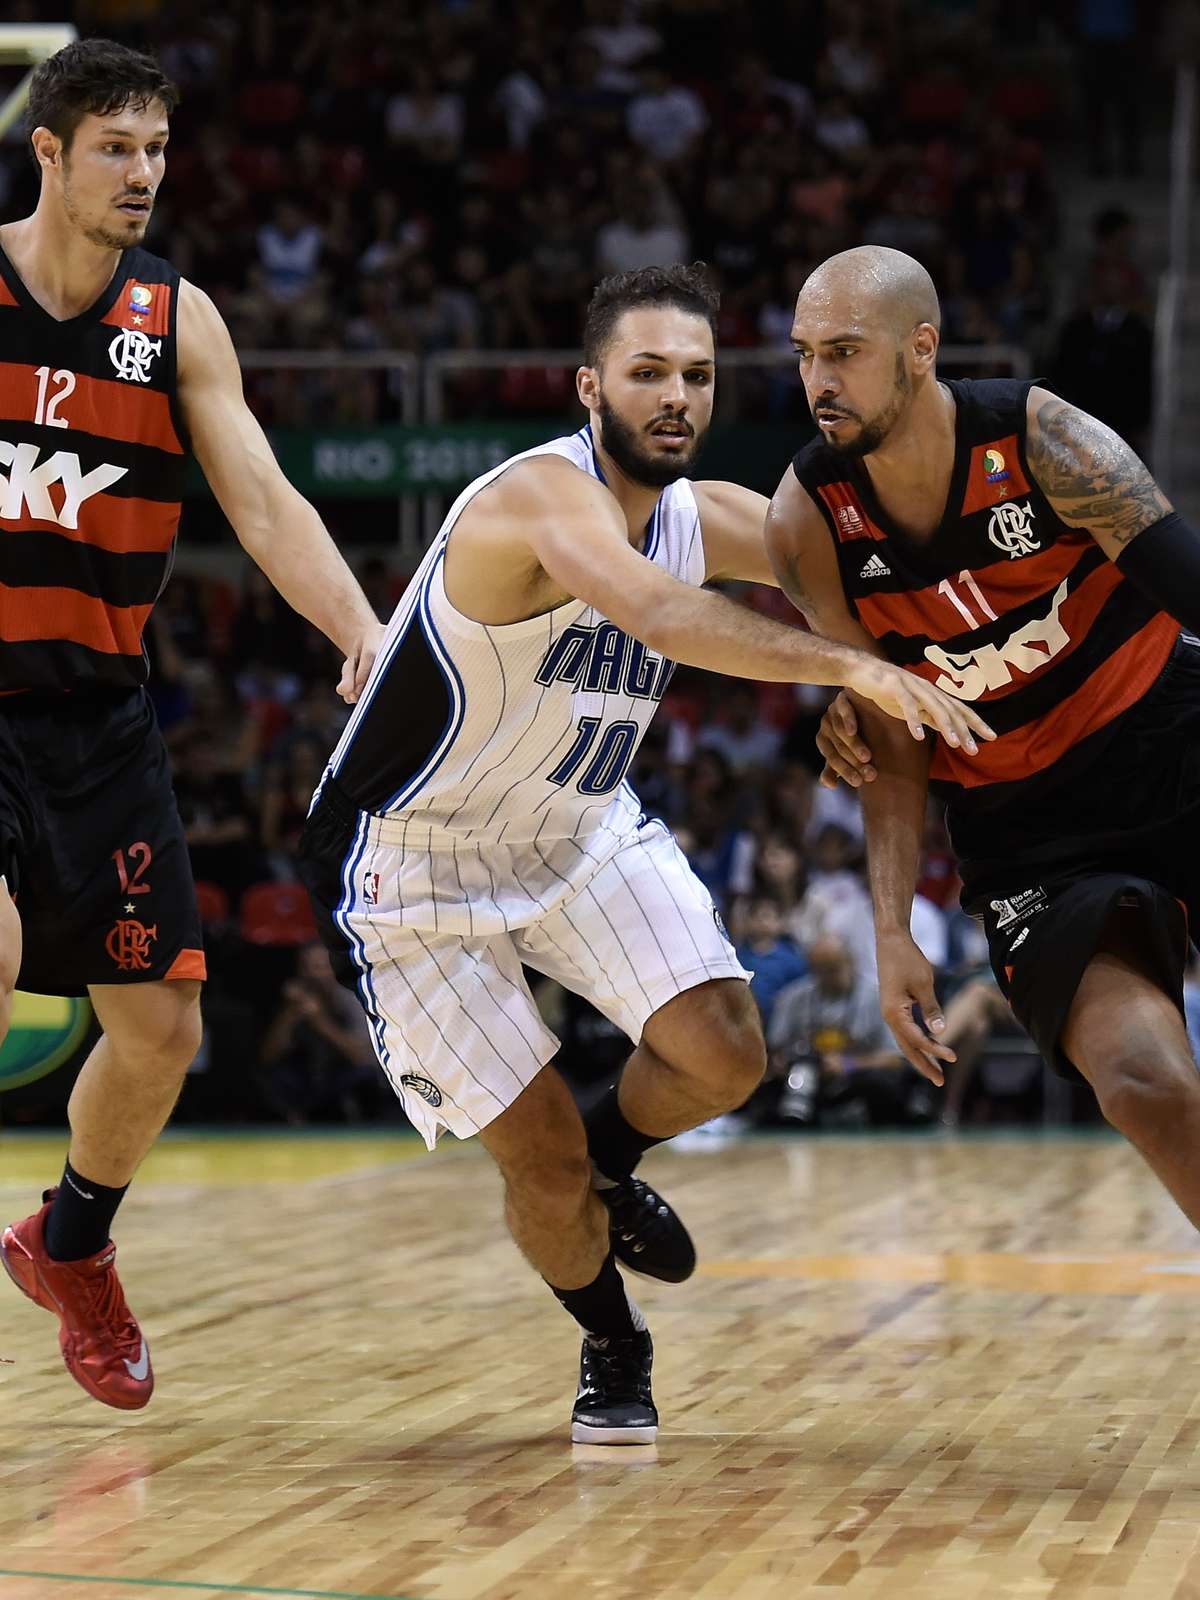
(1009, 530)
(129, 945)
(131, 353)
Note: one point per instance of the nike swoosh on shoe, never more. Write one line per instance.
(139, 1370)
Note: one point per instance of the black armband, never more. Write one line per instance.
(1164, 562)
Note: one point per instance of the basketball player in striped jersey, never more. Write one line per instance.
(1014, 551)
(111, 368)
(475, 816)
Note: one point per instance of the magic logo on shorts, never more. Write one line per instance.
(429, 1092)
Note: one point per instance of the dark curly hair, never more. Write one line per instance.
(689, 288)
(94, 77)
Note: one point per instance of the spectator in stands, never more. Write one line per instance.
(747, 742)
(424, 119)
(289, 252)
(831, 1050)
(643, 233)
(972, 1016)
(317, 1059)
(665, 119)
(1104, 357)
(775, 960)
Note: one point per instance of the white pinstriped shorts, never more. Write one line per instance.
(438, 936)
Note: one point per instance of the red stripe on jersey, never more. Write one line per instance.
(50, 614)
(1004, 585)
(7, 297)
(1115, 685)
(1007, 479)
(110, 523)
(99, 406)
(142, 305)
(846, 509)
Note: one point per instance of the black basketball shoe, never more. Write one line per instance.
(614, 1404)
(645, 1233)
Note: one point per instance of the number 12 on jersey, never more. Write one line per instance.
(64, 383)
(607, 764)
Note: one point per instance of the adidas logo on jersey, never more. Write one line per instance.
(876, 567)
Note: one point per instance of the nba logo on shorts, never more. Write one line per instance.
(371, 889)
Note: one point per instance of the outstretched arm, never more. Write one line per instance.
(275, 525)
(575, 530)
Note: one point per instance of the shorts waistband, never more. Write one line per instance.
(401, 830)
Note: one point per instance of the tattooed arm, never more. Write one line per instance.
(1096, 482)
(1089, 474)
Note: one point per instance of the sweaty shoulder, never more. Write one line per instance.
(542, 483)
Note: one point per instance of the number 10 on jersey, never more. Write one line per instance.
(608, 762)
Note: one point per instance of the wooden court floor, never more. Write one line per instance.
(910, 1369)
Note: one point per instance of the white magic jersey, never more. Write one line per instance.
(515, 734)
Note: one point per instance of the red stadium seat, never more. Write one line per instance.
(935, 101)
(213, 902)
(1026, 102)
(276, 103)
(277, 914)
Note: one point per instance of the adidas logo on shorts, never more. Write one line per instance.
(876, 567)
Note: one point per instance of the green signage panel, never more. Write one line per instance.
(384, 462)
(45, 1030)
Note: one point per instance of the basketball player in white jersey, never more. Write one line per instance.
(475, 816)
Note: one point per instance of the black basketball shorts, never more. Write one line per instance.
(91, 843)
(1121, 841)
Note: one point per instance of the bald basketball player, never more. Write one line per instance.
(1016, 553)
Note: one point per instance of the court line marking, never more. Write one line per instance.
(205, 1588)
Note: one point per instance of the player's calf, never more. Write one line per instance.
(1127, 1037)
(561, 1228)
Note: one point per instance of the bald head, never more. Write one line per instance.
(886, 286)
(866, 332)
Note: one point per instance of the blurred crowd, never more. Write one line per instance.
(455, 175)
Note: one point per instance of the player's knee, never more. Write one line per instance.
(1143, 1091)
(167, 1034)
(734, 1055)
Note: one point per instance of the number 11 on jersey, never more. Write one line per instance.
(946, 587)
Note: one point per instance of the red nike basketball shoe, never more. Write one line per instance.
(101, 1343)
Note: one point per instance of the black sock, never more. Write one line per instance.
(602, 1307)
(614, 1145)
(81, 1217)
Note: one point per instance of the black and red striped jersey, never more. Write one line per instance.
(92, 461)
(1005, 606)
